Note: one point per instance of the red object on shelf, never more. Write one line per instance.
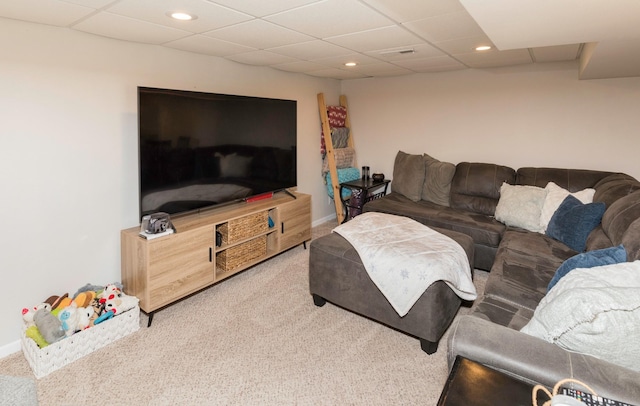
(263, 196)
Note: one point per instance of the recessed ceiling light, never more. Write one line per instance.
(350, 64)
(182, 16)
(483, 48)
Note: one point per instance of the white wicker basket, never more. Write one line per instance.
(45, 360)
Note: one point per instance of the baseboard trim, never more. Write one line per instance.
(323, 220)
(9, 349)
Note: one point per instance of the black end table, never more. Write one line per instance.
(362, 191)
(474, 384)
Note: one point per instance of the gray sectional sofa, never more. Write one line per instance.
(521, 262)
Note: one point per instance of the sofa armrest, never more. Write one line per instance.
(536, 361)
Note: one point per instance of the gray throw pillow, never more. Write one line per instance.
(408, 175)
(437, 180)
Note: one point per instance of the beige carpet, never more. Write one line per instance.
(255, 339)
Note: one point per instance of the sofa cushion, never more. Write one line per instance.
(476, 186)
(620, 215)
(408, 175)
(503, 313)
(573, 221)
(524, 265)
(631, 241)
(555, 196)
(591, 259)
(613, 187)
(437, 180)
(571, 179)
(483, 229)
(594, 311)
(520, 206)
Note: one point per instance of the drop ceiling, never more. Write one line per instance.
(383, 37)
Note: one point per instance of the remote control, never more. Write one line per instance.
(589, 399)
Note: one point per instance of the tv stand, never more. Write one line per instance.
(164, 270)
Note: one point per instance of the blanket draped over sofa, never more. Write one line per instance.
(523, 257)
(403, 258)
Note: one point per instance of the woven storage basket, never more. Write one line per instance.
(244, 227)
(45, 360)
(234, 257)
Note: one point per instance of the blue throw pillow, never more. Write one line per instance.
(591, 259)
(573, 222)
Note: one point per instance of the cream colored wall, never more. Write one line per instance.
(530, 115)
(69, 164)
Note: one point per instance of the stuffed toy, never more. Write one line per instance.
(88, 288)
(27, 314)
(69, 318)
(49, 326)
(64, 302)
(34, 334)
(84, 317)
(83, 299)
(117, 302)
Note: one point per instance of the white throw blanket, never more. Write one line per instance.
(403, 258)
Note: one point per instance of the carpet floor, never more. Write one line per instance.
(254, 339)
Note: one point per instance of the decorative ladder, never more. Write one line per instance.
(331, 160)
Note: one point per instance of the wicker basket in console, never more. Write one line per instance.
(244, 227)
(241, 254)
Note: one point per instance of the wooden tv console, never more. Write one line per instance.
(163, 270)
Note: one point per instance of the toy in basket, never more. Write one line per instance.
(62, 329)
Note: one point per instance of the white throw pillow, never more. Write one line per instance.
(520, 206)
(555, 196)
(594, 311)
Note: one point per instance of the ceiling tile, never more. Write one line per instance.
(556, 53)
(336, 74)
(411, 10)
(259, 34)
(436, 64)
(300, 66)
(330, 18)
(124, 28)
(463, 45)
(446, 27)
(397, 54)
(382, 69)
(339, 61)
(206, 45)
(91, 3)
(379, 38)
(52, 12)
(494, 58)
(263, 8)
(311, 50)
(210, 16)
(262, 58)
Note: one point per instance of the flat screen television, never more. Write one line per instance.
(198, 150)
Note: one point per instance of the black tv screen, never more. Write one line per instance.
(198, 150)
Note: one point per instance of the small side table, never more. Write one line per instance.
(474, 384)
(362, 191)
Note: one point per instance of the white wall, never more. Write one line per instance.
(529, 115)
(68, 125)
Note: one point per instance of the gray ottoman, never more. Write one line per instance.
(337, 275)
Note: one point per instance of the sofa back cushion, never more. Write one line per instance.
(573, 180)
(408, 175)
(622, 213)
(476, 186)
(613, 187)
